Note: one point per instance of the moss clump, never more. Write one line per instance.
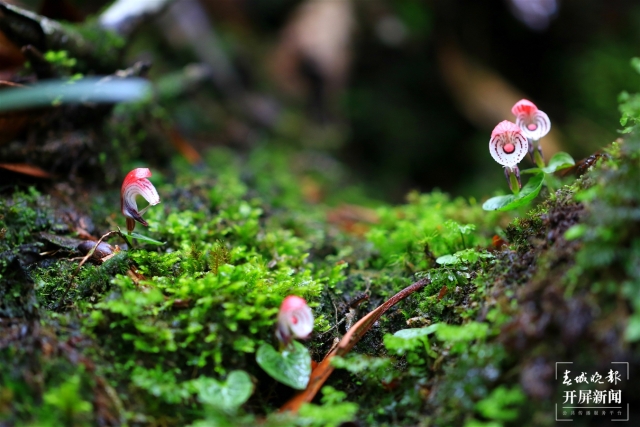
(154, 325)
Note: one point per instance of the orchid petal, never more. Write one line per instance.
(137, 184)
(508, 145)
(533, 122)
(524, 106)
(295, 319)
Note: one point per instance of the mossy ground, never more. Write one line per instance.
(126, 341)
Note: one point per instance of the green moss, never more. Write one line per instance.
(21, 215)
(160, 323)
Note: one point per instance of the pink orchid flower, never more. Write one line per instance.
(137, 184)
(295, 320)
(533, 122)
(508, 146)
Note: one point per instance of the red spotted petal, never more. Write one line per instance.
(508, 145)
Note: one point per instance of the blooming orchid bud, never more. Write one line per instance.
(508, 145)
(137, 184)
(534, 123)
(295, 319)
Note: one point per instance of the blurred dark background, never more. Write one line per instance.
(404, 92)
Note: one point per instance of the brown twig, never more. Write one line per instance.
(85, 258)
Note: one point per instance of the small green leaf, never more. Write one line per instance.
(624, 119)
(635, 63)
(410, 340)
(575, 232)
(559, 161)
(632, 333)
(470, 256)
(416, 332)
(145, 239)
(228, 395)
(510, 201)
(448, 260)
(461, 333)
(499, 203)
(291, 367)
(502, 404)
(530, 171)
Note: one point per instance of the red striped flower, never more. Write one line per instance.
(295, 319)
(508, 145)
(137, 184)
(534, 123)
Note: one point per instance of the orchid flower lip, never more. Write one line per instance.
(295, 319)
(533, 122)
(508, 145)
(137, 184)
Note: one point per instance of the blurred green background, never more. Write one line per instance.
(404, 92)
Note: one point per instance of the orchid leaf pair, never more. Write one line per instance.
(529, 192)
(291, 365)
(513, 201)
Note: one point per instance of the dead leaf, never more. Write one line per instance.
(25, 169)
(184, 147)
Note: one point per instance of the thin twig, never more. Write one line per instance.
(85, 258)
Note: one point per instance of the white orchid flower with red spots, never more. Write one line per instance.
(295, 320)
(508, 146)
(534, 124)
(136, 184)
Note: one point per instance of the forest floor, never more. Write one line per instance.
(145, 335)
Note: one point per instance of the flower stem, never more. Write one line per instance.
(537, 155)
(513, 181)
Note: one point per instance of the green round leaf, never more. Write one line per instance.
(495, 203)
(412, 333)
(575, 232)
(291, 367)
(228, 395)
(511, 201)
(462, 333)
(559, 161)
(448, 259)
